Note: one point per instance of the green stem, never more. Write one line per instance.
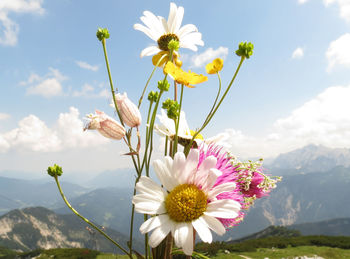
(149, 79)
(217, 106)
(178, 121)
(111, 81)
(150, 129)
(88, 221)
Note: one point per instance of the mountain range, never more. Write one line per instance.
(315, 187)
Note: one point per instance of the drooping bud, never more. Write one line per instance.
(131, 115)
(107, 126)
(54, 170)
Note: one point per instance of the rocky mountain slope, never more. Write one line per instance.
(34, 228)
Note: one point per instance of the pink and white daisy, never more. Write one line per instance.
(163, 31)
(186, 203)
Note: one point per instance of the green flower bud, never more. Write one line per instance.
(174, 45)
(102, 33)
(54, 170)
(172, 107)
(163, 85)
(153, 96)
(167, 104)
(245, 49)
(174, 111)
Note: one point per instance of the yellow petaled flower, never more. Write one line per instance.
(157, 57)
(215, 66)
(185, 78)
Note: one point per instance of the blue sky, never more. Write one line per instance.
(294, 91)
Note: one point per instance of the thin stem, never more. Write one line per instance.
(178, 121)
(149, 79)
(166, 146)
(217, 106)
(111, 81)
(150, 129)
(88, 221)
(216, 99)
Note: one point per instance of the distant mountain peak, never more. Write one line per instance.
(313, 158)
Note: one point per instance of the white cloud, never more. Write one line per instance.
(298, 53)
(324, 120)
(4, 116)
(208, 55)
(88, 91)
(302, 1)
(34, 135)
(8, 28)
(344, 8)
(87, 66)
(338, 52)
(46, 86)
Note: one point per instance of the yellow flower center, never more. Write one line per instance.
(164, 40)
(185, 203)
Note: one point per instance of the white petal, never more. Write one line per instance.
(214, 224)
(188, 45)
(203, 170)
(172, 14)
(163, 174)
(149, 23)
(149, 51)
(184, 129)
(154, 22)
(178, 20)
(188, 28)
(183, 236)
(194, 38)
(148, 186)
(165, 24)
(153, 223)
(190, 166)
(212, 176)
(202, 229)
(148, 207)
(178, 165)
(149, 197)
(146, 31)
(227, 209)
(225, 187)
(159, 234)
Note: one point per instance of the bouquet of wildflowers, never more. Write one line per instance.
(203, 188)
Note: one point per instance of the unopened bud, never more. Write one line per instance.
(245, 49)
(174, 45)
(107, 126)
(54, 170)
(153, 96)
(163, 85)
(131, 115)
(102, 33)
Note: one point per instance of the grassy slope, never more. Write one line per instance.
(290, 252)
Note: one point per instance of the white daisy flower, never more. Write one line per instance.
(166, 128)
(162, 31)
(187, 203)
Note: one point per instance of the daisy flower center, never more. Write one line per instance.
(164, 40)
(185, 203)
